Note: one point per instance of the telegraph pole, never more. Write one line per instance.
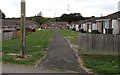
(68, 7)
(23, 34)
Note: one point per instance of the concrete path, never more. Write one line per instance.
(9, 68)
(60, 55)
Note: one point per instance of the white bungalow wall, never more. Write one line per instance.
(85, 26)
(106, 23)
(89, 26)
(77, 27)
(94, 26)
(115, 26)
(90, 29)
(73, 26)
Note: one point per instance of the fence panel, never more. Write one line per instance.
(99, 44)
(8, 35)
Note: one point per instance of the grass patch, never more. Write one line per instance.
(73, 40)
(102, 64)
(69, 33)
(36, 45)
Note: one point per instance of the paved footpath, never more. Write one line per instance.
(60, 55)
(10, 68)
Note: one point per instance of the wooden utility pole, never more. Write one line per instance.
(23, 34)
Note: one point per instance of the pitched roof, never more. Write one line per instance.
(11, 23)
(57, 23)
(113, 15)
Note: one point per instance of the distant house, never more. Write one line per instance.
(89, 25)
(55, 25)
(15, 24)
(102, 24)
(109, 24)
(115, 22)
(11, 28)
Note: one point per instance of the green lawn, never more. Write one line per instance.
(69, 33)
(36, 46)
(102, 64)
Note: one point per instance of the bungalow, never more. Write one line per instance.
(11, 28)
(115, 22)
(109, 24)
(89, 25)
(103, 25)
(15, 24)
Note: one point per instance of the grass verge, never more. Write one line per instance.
(67, 33)
(102, 64)
(73, 40)
(36, 46)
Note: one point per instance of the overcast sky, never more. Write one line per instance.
(51, 8)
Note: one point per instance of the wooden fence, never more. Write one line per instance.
(99, 44)
(8, 35)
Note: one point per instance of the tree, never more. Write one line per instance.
(2, 15)
(40, 20)
(73, 17)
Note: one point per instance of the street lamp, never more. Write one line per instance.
(23, 34)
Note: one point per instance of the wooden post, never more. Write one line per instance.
(23, 34)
